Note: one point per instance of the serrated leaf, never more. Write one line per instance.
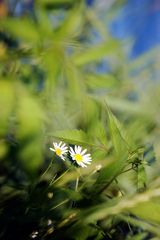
(111, 171)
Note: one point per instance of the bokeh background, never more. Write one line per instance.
(85, 72)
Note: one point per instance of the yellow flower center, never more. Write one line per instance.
(58, 151)
(78, 157)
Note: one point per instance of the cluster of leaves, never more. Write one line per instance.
(50, 91)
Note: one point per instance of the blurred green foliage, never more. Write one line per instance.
(48, 93)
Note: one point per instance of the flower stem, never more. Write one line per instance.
(65, 201)
(53, 182)
(49, 166)
(76, 186)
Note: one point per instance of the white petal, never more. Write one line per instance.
(87, 158)
(63, 145)
(55, 144)
(73, 157)
(87, 162)
(64, 148)
(64, 152)
(87, 155)
(76, 148)
(62, 157)
(71, 151)
(82, 164)
(84, 151)
(79, 149)
(60, 143)
(52, 149)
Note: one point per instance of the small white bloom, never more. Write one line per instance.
(79, 155)
(60, 149)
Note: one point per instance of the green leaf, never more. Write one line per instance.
(145, 205)
(3, 149)
(72, 136)
(96, 53)
(117, 135)
(72, 25)
(98, 132)
(146, 226)
(55, 2)
(139, 236)
(72, 194)
(7, 101)
(22, 28)
(101, 81)
(111, 171)
(107, 175)
(29, 130)
(148, 210)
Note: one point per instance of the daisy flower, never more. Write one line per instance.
(60, 149)
(79, 156)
